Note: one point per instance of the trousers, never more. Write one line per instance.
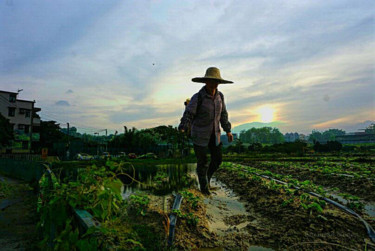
(205, 171)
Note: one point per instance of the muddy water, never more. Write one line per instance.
(159, 179)
(227, 216)
(369, 207)
(224, 210)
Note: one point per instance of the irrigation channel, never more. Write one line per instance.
(246, 215)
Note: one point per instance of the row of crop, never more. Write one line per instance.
(98, 191)
(306, 185)
(294, 215)
(305, 157)
(358, 170)
(350, 183)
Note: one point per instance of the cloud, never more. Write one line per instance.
(62, 103)
(313, 60)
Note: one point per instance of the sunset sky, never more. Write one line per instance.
(106, 64)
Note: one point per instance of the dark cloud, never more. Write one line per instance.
(58, 26)
(62, 103)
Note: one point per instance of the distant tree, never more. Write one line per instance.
(316, 136)
(328, 135)
(287, 147)
(262, 135)
(330, 146)
(370, 129)
(134, 140)
(255, 147)
(6, 131)
(50, 133)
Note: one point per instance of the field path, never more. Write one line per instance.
(17, 215)
(229, 220)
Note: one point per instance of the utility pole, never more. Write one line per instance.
(97, 146)
(106, 141)
(31, 125)
(67, 151)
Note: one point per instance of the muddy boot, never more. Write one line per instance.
(210, 187)
(204, 185)
(209, 176)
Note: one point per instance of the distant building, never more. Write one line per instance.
(367, 136)
(224, 138)
(22, 114)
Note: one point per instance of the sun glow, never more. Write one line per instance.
(266, 114)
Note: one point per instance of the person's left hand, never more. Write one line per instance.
(230, 137)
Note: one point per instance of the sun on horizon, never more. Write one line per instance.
(266, 114)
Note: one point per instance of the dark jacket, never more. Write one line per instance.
(206, 118)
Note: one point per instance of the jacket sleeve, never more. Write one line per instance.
(225, 124)
(189, 114)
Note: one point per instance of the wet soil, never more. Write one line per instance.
(362, 187)
(292, 227)
(223, 223)
(245, 214)
(18, 217)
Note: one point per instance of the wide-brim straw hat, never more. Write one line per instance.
(212, 73)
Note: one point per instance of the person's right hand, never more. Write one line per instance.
(181, 128)
(230, 137)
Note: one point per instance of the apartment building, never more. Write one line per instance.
(367, 136)
(22, 114)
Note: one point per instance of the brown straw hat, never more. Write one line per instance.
(212, 73)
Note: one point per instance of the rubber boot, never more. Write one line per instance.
(204, 185)
(211, 188)
(209, 176)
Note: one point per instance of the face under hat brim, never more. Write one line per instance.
(204, 79)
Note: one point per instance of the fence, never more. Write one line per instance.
(23, 156)
(24, 169)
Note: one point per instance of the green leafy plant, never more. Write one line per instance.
(191, 198)
(353, 202)
(190, 218)
(96, 190)
(139, 203)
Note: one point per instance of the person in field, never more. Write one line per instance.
(203, 115)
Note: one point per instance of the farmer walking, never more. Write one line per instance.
(202, 116)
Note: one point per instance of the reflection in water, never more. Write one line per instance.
(159, 179)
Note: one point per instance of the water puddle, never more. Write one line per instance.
(369, 207)
(225, 212)
(159, 179)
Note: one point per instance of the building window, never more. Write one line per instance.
(11, 111)
(27, 114)
(27, 128)
(22, 111)
(21, 127)
(12, 97)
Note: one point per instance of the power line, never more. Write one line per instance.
(80, 125)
